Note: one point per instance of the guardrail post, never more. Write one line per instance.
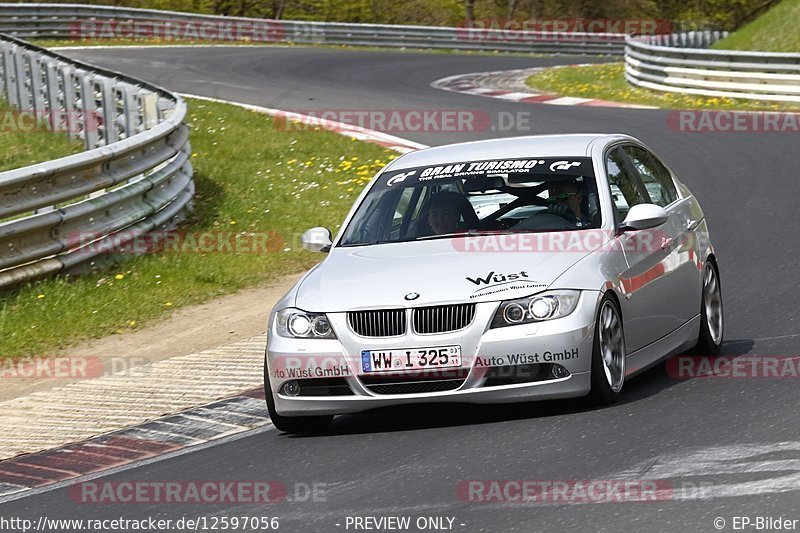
(21, 90)
(57, 120)
(88, 109)
(108, 111)
(130, 111)
(37, 89)
(149, 109)
(70, 102)
(3, 71)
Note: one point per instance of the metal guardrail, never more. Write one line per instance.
(683, 63)
(62, 21)
(135, 177)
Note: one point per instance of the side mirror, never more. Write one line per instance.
(317, 240)
(644, 216)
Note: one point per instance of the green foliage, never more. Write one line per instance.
(774, 31)
(717, 14)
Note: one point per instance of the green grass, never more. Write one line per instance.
(774, 31)
(607, 82)
(25, 144)
(251, 177)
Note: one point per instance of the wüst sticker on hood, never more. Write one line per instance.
(494, 283)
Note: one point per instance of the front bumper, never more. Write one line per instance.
(566, 342)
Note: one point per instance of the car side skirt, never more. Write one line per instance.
(682, 339)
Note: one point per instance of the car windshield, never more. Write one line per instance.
(474, 197)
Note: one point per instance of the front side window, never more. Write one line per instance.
(627, 189)
(465, 198)
(655, 176)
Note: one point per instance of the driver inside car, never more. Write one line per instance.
(565, 198)
(445, 213)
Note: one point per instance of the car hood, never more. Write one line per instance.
(430, 272)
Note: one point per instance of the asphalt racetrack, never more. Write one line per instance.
(722, 447)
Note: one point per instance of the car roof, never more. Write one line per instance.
(567, 145)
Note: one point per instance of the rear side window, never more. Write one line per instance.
(655, 176)
(626, 187)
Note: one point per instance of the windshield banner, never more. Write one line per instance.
(516, 170)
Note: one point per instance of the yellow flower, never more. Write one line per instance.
(132, 323)
(119, 276)
(232, 222)
(40, 296)
(168, 304)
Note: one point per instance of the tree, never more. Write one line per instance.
(470, 6)
(277, 9)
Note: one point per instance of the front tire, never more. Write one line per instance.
(293, 424)
(608, 354)
(712, 321)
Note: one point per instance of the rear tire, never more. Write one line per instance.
(712, 322)
(293, 424)
(608, 354)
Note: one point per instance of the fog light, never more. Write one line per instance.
(290, 388)
(559, 372)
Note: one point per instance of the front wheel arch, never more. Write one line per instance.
(609, 355)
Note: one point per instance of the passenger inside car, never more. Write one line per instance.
(569, 207)
(566, 199)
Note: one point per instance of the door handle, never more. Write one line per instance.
(692, 224)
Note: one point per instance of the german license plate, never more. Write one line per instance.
(401, 360)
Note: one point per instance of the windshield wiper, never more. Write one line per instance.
(477, 233)
(467, 233)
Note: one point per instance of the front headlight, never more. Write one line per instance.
(295, 323)
(544, 306)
